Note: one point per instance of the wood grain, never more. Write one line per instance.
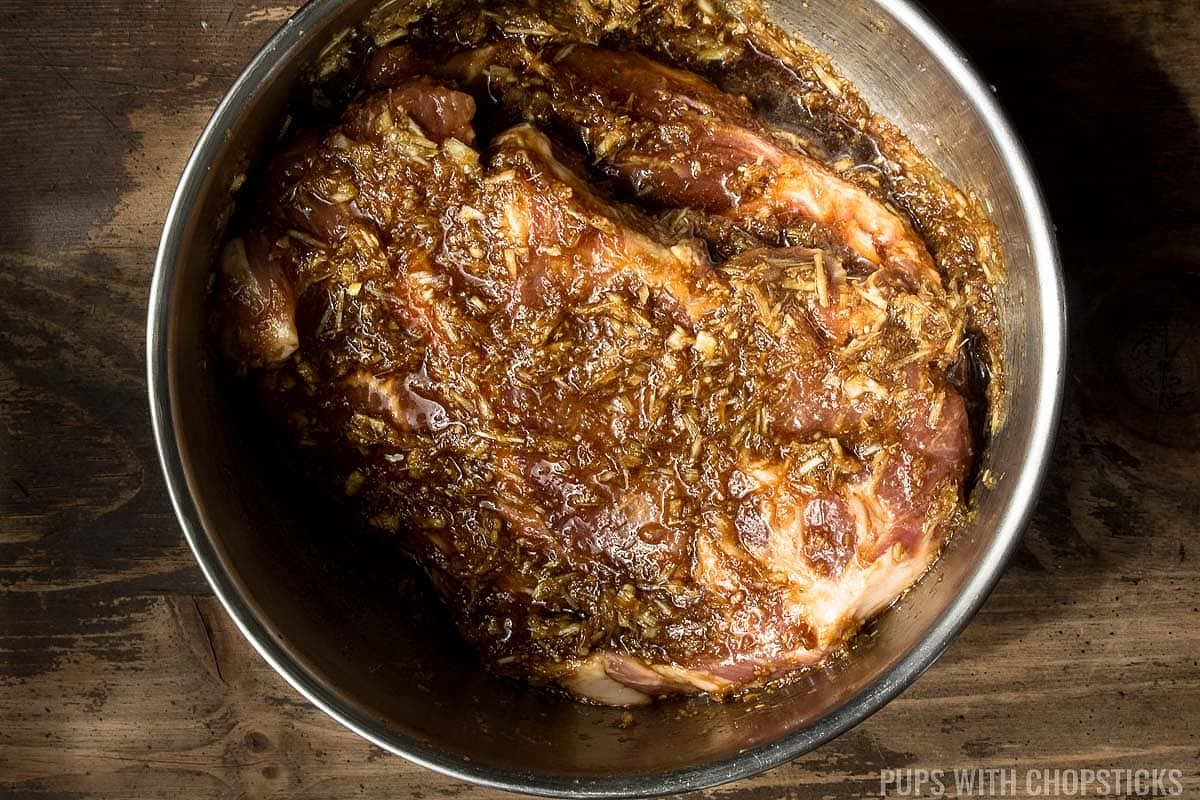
(122, 677)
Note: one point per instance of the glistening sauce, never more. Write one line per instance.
(666, 391)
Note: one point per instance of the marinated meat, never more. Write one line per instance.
(674, 138)
(630, 469)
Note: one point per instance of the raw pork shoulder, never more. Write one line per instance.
(630, 471)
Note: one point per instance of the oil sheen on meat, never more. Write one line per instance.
(663, 399)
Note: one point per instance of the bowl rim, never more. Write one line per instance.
(951, 621)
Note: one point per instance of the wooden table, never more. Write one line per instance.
(120, 675)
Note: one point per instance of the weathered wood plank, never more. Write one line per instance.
(122, 677)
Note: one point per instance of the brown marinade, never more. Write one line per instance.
(666, 359)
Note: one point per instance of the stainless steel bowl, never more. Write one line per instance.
(360, 638)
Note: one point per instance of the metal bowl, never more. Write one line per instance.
(346, 623)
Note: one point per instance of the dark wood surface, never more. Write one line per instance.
(120, 675)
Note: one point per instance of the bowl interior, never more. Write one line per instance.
(350, 622)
